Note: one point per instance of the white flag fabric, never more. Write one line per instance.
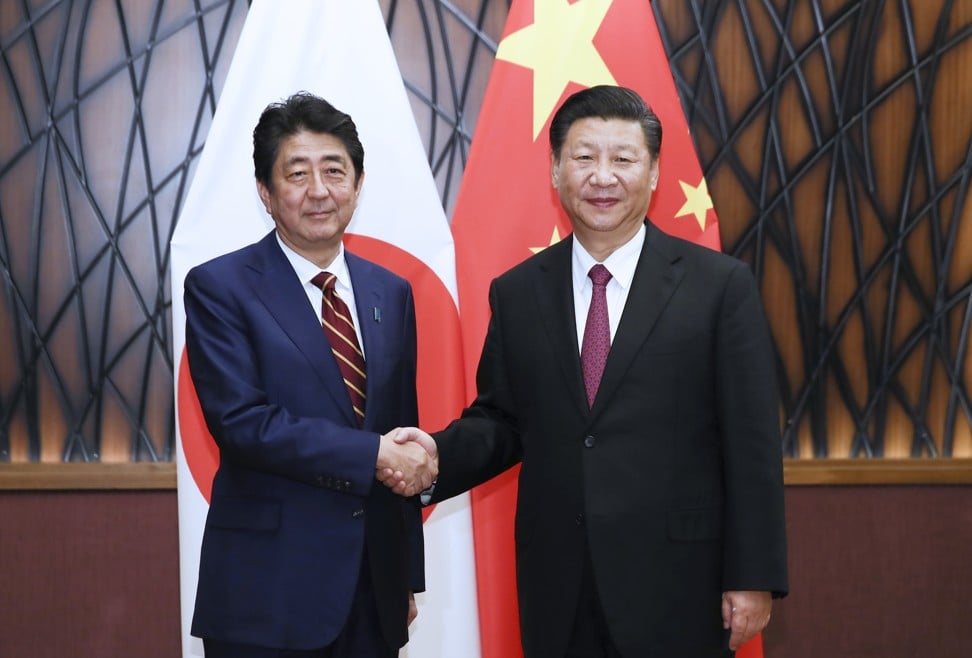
(339, 50)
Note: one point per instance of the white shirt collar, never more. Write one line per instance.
(306, 270)
(621, 263)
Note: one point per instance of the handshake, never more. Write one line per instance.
(408, 461)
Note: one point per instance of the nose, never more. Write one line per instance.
(603, 174)
(318, 188)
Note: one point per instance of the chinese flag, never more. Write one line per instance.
(508, 210)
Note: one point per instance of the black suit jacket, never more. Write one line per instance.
(673, 479)
(294, 502)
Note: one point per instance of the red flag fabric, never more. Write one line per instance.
(507, 209)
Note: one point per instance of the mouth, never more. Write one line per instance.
(602, 202)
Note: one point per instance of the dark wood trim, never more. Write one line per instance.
(88, 475)
(796, 472)
(804, 472)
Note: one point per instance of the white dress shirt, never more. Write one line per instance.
(621, 264)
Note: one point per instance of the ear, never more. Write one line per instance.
(264, 193)
(357, 188)
(555, 171)
(654, 174)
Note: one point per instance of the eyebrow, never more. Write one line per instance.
(330, 157)
(611, 147)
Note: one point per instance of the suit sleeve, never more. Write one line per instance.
(485, 440)
(746, 395)
(409, 415)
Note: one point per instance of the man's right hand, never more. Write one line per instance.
(408, 461)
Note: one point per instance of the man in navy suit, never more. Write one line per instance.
(649, 519)
(304, 553)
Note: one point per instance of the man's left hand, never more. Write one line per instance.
(746, 613)
(412, 608)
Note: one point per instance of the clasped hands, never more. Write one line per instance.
(408, 461)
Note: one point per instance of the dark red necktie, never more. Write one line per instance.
(339, 328)
(597, 333)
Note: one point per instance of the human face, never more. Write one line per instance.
(604, 177)
(313, 194)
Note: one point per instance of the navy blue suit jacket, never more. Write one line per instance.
(295, 503)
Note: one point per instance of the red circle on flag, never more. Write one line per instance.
(198, 446)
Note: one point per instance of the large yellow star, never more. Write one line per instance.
(697, 201)
(554, 239)
(559, 47)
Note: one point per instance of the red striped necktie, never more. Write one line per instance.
(339, 328)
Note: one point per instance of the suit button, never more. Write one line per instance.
(588, 441)
(579, 520)
(320, 480)
(347, 485)
(357, 514)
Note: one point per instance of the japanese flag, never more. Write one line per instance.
(339, 50)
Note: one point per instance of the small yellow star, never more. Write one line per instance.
(559, 47)
(554, 239)
(697, 201)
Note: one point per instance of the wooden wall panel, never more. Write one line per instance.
(875, 572)
(91, 574)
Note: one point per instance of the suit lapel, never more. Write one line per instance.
(368, 296)
(555, 303)
(656, 278)
(274, 283)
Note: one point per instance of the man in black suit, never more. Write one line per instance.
(650, 516)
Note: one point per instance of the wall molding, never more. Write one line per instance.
(58, 476)
(809, 472)
(796, 472)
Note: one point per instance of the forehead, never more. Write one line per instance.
(606, 133)
(308, 146)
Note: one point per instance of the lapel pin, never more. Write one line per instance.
(377, 314)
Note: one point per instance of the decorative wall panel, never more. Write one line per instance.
(837, 142)
(834, 135)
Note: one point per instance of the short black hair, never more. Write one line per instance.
(605, 102)
(302, 111)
